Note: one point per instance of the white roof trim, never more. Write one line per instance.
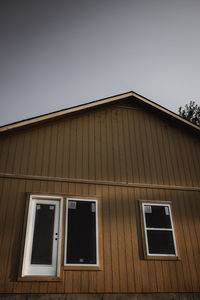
(64, 112)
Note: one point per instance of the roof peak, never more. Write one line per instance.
(96, 103)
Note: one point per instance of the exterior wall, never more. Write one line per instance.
(158, 296)
(114, 143)
(113, 152)
(124, 269)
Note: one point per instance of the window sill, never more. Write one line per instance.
(82, 268)
(151, 257)
(40, 278)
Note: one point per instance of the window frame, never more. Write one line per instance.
(62, 238)
(98, 265)
(28, 229)
(144, 228)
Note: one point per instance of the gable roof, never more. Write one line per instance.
(61, 113)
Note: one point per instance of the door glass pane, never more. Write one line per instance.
(157, 216)
(81, 234)
(160, 242)
(43, 234)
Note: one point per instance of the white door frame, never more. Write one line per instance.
(29, 269)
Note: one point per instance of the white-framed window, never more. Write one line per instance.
(81, 233)
(158, 230)
(42, 247)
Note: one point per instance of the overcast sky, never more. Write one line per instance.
(58, 54)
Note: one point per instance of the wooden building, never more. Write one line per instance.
(101, 201)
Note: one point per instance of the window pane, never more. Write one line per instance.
(43, 234)
(160, 242)
(157, 216)
(81, 235)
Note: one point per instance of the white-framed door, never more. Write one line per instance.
(42, 242)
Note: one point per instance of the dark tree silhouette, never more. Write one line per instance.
(191, 112)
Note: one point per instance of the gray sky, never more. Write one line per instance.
(57, 54)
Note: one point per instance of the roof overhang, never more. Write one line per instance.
(62, 113)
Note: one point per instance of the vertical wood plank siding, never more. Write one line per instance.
(114, 143)
(124, 269)
(118, 143)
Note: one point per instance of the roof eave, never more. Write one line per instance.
(62, 113)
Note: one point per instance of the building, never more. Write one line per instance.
(101, 201)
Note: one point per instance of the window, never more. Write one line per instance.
(43, 237)
(42, 243)
(159, 238)
(81, 240)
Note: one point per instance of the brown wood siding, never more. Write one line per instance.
(115, 143)
(148, 296)
(120, 145)
(124, 269)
